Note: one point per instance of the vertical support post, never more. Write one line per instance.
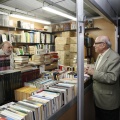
(80, 59)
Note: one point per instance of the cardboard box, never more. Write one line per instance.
(55, 27)
(64, 62)
(73, 62)
(62, 40)
(73, 25)
(73, 55)
(69, 34)
(67, 26)
(73, 40)
(62, 47)
(73, 47)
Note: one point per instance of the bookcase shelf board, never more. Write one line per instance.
(20, 43)
(86, 29)
(95, 28)
(7, 27)
(62, 31)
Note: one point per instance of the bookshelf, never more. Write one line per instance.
(7, 28)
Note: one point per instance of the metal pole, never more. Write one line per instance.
(80, 59)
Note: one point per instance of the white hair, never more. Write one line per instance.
(107, 41)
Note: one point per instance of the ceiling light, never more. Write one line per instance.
(3, 13)
(30, 19)
(59, 13)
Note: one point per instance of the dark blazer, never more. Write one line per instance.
(106, 82)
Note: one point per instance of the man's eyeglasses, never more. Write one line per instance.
(98, 43)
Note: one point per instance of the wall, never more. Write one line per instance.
(106, 28)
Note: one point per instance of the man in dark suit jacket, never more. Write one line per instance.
(106, 82)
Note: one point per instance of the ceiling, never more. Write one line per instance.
(34, 8)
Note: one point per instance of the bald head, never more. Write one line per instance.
(105, 39)
(102, 43)
(7, 47)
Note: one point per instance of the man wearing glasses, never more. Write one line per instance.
(106, 86)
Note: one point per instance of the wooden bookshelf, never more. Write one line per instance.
(7, 27)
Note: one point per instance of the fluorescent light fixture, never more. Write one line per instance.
(30, 19)
(3, 13)
(59, 13)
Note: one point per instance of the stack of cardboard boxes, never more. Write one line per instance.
(66, 47)
(63, 47)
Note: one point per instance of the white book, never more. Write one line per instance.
(71, 89)
(32, 110)
(64, 94)
(18, 112)
(12, 115)
(45, 105)
(56, 96)
(69, 80)
(27, 111)
(37, 111)
(51, 98)
(40, 105)
(69, 96)
(46, 102)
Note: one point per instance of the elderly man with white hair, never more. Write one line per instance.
(6, 48)
(106, 82)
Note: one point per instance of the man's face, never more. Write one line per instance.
(7, 48)
(99, 45)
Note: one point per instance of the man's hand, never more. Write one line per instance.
(90, 71)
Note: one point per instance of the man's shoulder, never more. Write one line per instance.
(114, 54)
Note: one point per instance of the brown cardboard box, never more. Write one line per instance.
(73, 55)
(67, 26)
(72, 62)
(62, 40)
(55, 27)
(65, 62)
(61, 47)
(69, 34)
(73, 47)
(73, 40)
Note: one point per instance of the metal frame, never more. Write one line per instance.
(80, 59)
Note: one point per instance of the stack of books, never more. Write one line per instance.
(20, 61)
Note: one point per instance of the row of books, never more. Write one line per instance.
(35, 49)
(9, 81)
(40, 83)
(4, 62)
(28, 37)
(29, 75)
(41, 105)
